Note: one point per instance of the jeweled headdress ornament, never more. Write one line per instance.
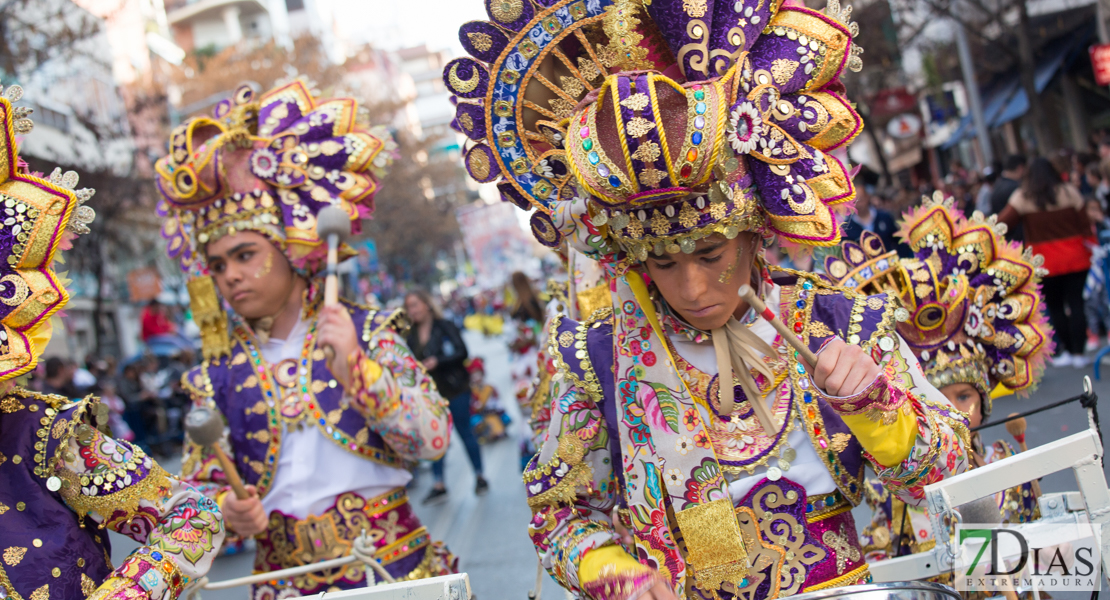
(972, 305)
(39, 217)
(266, 163)
(672, 119)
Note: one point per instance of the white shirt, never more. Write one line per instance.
(806, 469)
(312, 470)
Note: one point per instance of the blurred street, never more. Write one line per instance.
(489, 534)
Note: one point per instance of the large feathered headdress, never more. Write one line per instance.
(972, 311)
(643, 126)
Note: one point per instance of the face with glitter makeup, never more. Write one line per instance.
(699, 286)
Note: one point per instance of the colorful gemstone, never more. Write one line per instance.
(699, 122)
(700, 108)
(808, 397)
(807, 285)
(695, 138)
(798, 327)
(584, 132)
(587, 144)
(685, 171)
(593, 157)
(692, 155)
(800, 304)
(699, 95)
(614, 181)
(603, 170)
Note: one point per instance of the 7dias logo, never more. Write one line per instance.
(1044, 556)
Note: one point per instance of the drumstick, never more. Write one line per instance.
(753, 301)
(334, 226)
(205, 428)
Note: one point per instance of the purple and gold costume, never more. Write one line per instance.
(636, 128)
(976, 317)
(63, 482)
(328, 462)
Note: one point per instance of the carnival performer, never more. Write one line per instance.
(323, 442)
(976, 324)
(671, 140)
(63, 482)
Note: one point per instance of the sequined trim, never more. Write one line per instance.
(856, 576)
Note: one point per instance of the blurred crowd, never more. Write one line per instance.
(1057, 206)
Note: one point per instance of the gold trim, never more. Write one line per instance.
(851, 577)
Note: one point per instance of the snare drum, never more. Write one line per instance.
(897, 590)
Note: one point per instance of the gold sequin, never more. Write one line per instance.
(81, 562)
(16, 459)
(56, 572)
(20, 506)
(36, 543)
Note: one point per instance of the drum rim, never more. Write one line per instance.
(879, 587)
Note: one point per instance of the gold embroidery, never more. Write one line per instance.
(843, 548)
(238, 359)
(257, 467)
(481, 41)
(694, 8)
(250, 382)
(783, 69)
(840, 442)
(59, 429)
(638, 126)
(13, 555)
(637, 101)
(651, 177)
(506, 11)
(88, 586)
(3, 508)
(687, 216)
(10, 405)
(714, 543)
(43, 593)
(659, 223)
(566, 338)
(478, 163)
(648, 152)
(874, 302)
(571, 86)
(819, 329)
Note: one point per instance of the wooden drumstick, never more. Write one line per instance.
(334, 226)
(206, 428)
(748, 294)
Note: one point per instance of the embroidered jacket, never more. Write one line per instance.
(392, 415)
(608, 453)
(64, 482)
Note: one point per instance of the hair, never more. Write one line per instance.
(1015, 161)
(527, 302)
(1041, 182)
(54, 366)
(426, 297)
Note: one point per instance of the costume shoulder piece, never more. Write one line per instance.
(376, 321)
(673, 119)
(972, 303)
(822, 310)
(575, 345)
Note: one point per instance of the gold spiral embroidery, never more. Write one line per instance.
(22, 291)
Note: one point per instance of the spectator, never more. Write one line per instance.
(1056, 226)
(983, 197)
(868, 217)
(437, 344)
(59, 377)
(156, 321)
(116, 409)
(1013, 172)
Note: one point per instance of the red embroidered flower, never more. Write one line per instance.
(690, 418)
(701, 438)
(648, 358)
